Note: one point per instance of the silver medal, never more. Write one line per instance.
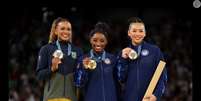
(58, 53)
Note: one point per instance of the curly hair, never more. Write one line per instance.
(100, 27)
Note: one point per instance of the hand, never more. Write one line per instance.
(55, 62)
(125, 52)
(86, 62)
(150, 98)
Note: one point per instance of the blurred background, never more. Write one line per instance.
(29, 30)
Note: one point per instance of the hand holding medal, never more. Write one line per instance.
(129, 53)
(58, 55)
(89, 63)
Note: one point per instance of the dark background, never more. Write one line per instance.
(170, 29)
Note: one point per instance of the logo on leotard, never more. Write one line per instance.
(73, 55)
(145, 52)
(107, 61)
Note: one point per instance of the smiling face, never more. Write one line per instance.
(98, 42)
(63, 31)
(136, 32)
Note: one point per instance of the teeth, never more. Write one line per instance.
(65, 35)
(98, 47)
(138, 38)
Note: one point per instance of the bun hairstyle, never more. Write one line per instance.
(100, 27)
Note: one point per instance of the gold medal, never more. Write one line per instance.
(92, 64)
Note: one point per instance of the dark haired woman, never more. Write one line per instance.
(137, 64)
(95, 71)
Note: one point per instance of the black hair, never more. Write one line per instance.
(131, 21)
(134, 20)
(100, 27)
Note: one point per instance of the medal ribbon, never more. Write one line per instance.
(93, 57)
(59, 47)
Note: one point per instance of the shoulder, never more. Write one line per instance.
(46, 47)
(110, 56)
(151, 46)
(153, 49)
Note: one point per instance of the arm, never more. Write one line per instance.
(43, 70)
(160, 87)
(80, 75)
(121, 68)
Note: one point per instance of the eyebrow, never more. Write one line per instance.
(139, 29)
